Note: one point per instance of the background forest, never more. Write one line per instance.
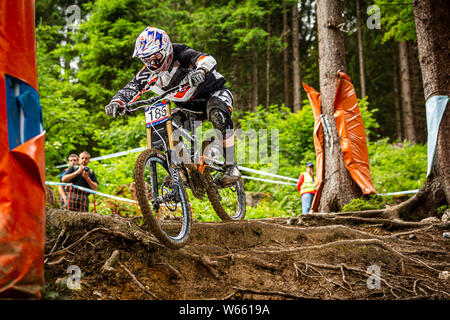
(265, 49)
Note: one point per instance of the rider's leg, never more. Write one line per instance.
(223, 124)
(219, 113)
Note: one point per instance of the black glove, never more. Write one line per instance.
(196, 77)
(114, 108)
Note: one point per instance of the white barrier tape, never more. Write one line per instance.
(293, 184)
(89, 190)
(272, 181)
(266, 173)
(112, 155)
(96, 192)
(399, 193)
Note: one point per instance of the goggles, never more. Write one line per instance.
(154, 61)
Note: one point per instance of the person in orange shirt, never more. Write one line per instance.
(307, 187)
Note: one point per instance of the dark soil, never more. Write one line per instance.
(315, 256)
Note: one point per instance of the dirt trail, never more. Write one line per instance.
(315, 256)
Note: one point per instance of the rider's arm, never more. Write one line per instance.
(136, 87)
(189, 57)
(192, 59)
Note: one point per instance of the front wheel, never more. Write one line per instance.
(165, 206)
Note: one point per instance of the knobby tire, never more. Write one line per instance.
(146, 208)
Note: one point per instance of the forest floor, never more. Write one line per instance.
(316, 256)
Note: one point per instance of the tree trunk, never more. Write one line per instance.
(296, 60)
(285, 57)
(338, 188)
(360, 51)
(398, 120)
(239, 101)
(432, 25)
(417, 98)
(250, 91)
(268, 64)
(408, 119)
(255, 81)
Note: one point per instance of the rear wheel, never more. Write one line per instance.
(228, 201)
(165, 206)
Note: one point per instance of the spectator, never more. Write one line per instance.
(84, 177)
(63, 190)
(307, 187)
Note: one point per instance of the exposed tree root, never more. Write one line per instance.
(266, 293)
(433, 193)
(140, 285)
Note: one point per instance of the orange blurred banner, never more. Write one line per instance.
(22, 156)
(314, 99)
(352, 135)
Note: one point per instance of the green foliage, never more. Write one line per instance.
(441, 210)
(114, 172)
(65, 119)
(369, 203)
(202, 209)
(368, 116)
(398, 20)
(124, 133)
(272, 209)
(397, 167)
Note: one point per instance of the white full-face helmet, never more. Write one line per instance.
(154, 48)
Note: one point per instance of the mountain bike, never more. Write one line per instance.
(171, 165)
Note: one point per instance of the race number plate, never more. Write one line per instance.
(156, 114)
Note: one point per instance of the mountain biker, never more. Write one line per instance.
(167, 65)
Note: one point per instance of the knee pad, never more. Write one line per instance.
(221, 121)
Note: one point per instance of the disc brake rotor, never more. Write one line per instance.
(171, 205)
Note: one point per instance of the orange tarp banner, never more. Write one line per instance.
(314, 99)
(352, 135)
(22, 156)
(17, 40)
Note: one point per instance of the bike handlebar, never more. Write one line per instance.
(153, 100)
